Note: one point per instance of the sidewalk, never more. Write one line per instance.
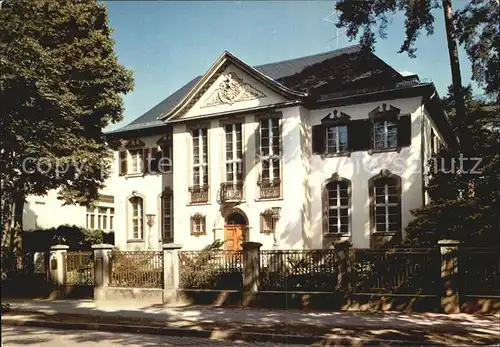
(292, 325)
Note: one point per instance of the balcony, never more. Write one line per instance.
(199, 194)
(270, 189)
(230, 191)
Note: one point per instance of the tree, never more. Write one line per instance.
(475, 26)
(465, 203)
(61, 84)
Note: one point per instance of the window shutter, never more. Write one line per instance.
(404, 131)
(359, 135)
(122, 165)
(318, 139)
(154, 159)
(145, 159)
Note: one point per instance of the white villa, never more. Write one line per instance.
(294, 154)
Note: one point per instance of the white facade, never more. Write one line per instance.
(303, 174)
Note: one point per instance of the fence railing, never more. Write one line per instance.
(211, 270)
(137, 269)
(299, 270)
(394, 271)
(79, 268)
(479, 270)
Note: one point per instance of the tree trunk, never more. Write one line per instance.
(455, 74)
(11, 235)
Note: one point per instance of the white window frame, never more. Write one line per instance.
(339, 207)
(235, 162)
(271, 156)
(93, 215)
(385, 132)
(386, 205)
(167, 199)
(333, 133)
(139, 218)
(201, 165)
(136, 159)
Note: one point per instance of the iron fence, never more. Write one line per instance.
(137, 269)
(395, 271)
(211, 270)
(479, 271)
(299, 270)
(79, 268)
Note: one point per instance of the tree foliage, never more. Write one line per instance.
(61, 84)
(476, 28)
(465, 200)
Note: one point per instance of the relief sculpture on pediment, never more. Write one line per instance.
(232, 89)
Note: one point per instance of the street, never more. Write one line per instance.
(42, 337)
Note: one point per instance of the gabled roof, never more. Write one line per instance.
(343, 70)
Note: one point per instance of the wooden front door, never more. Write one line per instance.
(234, 236)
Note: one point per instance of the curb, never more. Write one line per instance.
(214, 334)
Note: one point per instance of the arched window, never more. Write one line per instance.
(385, 201)
(167, 215)
(137, 217)
(337, 202)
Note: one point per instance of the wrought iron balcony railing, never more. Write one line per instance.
(231, 191)
(199, 194)
(270, 189)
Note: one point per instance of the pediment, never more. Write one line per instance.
(384, 110)
(335, 117)
(232, 90)
(230, 85)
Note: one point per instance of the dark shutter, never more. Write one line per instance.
(318, 139)
(404, 131)
(154, 159)
(122, 165)
(145, 160)
(359, 135)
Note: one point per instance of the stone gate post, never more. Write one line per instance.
(101, 269)
(171, 272)
(251, 271)
(57, 268)
(450, 302)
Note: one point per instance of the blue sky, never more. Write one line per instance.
(168, 43)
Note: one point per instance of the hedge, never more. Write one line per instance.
(77, 238)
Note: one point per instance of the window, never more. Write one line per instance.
(268, 220)
(385, 134)
(137, 218)
(100, 218)
(167, 212)
(386, 204)
(234, 153)
(198, 225)
(199, 187)
(232, 188)
(269, 154)
(331, 135)
(336, 139)
(136, 160)
(338, 195)
(200, 157)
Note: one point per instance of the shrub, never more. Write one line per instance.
(77, 238)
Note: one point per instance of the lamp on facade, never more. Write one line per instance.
(150, 220)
